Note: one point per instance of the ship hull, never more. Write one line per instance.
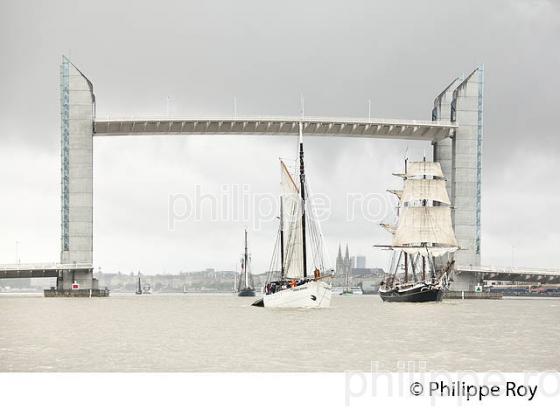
(426, 293)
(314, 294)
(246, 292)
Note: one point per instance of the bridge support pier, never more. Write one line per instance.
(77, 115)
(461, 160)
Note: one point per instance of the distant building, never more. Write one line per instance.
(360, 262)
(367, 273)
(343, 267)
(355, 268)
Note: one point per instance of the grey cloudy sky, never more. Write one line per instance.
(399, 54)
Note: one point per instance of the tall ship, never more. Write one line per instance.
(245, 286)
(423, 241)
(297, 276)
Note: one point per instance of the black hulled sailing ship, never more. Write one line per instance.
(245, 286)
(423, 240)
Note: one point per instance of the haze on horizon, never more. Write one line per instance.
(339, 54)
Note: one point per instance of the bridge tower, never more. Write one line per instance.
(461, 160)
(77, 111)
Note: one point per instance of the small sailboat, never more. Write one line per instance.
(423, 241)
(139, 288)
(245, 284)
(299, 235)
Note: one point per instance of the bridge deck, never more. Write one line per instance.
(312, 126)
(513, 274)
(39, 270)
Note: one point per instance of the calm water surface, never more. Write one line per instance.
(222, 333)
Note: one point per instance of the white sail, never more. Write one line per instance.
(291, 223)
(424, 168)
(425, 225)
(425, 189)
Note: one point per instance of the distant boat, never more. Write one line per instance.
(423, 233)
(245, 285)
(291, 286)
(139, 288)
(370, 286)
(347, 288)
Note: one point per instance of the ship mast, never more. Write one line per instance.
(424, 203)
(302, 190)
(245, 257)
(405, 254)
(281, 238)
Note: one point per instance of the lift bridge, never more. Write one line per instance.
(455, 132)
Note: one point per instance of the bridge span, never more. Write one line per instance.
(65, 273)
(474, 274)
(312, 126)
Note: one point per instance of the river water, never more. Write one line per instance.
(215, 333)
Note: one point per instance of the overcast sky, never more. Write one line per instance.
(202, 54)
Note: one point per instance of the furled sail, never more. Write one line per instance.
(423, 168)
(425, 189)
(291, 224)
(421, 227)
(397, 192)
(389, 227)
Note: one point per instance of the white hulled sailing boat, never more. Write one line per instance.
(299, 236)
(423, 239)
(245, 286)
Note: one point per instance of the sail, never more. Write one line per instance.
(425, 189)
(245, 279)
(424, 168)
(425, 225)
(291, 224)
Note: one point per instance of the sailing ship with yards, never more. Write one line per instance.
(297, 277)
(245, 286)
(423, 240)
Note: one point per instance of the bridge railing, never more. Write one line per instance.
(307, 119)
